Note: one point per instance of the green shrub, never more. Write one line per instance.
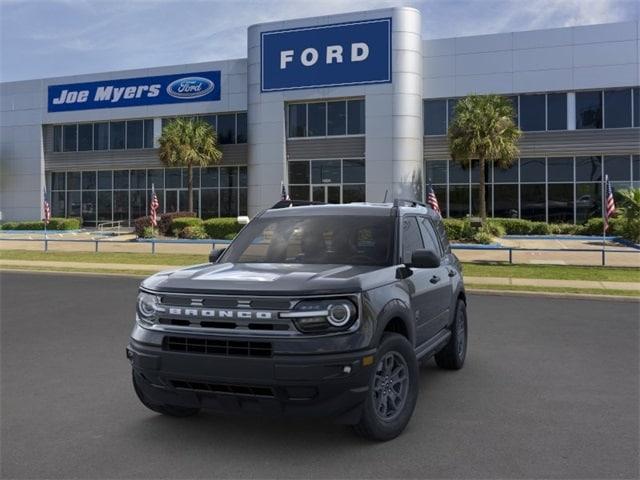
(164, 224)
(139, 225)
(219, 228)
(230, 236)
(539, 228)
(148, 232)
(55, 223)
(482, 236)
(71, 223)
(453, 227)
(514, 226)
(594, 226)
(180, 223)
(563, 229)
(9, 225)
(494, 228)
(193, 232)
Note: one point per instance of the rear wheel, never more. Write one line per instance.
(393, 390)
(452, 356)
(164, 409)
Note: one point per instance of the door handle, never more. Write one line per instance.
(435, 279)
(452, 273)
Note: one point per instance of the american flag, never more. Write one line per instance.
(432, 201)
(46, 208)
(283, 192)
(153, 207)
(609, 203)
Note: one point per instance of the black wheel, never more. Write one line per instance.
(452, 356)
(170, 410)
(393, 390)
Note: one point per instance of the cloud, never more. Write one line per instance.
(62, 37)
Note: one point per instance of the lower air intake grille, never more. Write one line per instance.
(210, 346)
(254, 391)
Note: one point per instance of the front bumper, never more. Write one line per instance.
(326, 385)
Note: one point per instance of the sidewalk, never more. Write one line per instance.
(142, 269)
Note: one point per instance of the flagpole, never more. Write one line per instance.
(604, 219)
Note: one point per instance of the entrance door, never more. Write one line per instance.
(326, 193)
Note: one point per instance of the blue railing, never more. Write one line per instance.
(154, 241)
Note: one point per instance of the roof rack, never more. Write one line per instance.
(402, 202)
(295, 203)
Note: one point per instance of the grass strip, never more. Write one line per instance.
(553, 272)
(179, 259)
(583, 291)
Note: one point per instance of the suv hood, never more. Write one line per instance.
(271, 279)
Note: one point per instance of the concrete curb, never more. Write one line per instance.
(572, 296)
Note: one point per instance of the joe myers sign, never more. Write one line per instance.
(327, 55)
(133, 92)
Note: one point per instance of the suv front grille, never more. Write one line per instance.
(249, 390)
(210, 346)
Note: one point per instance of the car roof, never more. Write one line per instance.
(356, 209)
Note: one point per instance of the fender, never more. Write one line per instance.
(395, 309)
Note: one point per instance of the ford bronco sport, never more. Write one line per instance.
(312, 310)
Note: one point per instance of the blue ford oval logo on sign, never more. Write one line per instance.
(352, 53)
(190, 87)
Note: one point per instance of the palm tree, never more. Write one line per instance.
(189, 143)
(484, 129)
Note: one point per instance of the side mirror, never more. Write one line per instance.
(215, 254)
(424, 259)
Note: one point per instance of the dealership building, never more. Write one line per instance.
(341, 108)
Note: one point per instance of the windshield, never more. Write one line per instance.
(343, 240)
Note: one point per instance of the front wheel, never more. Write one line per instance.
(452, 356)
(393, 390)
(164, 409)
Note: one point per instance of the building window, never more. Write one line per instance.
(533, 112)
(636, 107)
(298, 120)
(556, 111)
(85, 137)
(532, 170)
(355, 117)
(117, 135)
(505, 201)
(588, 169)
(58, 181)
(436, 171)
(435, 117)
(148, 133)
(73, 180)
(458, 200)
(560, 202)
(317, 119)
(589, 110)
(135, 134)
(101, 136)
(452, 103)
(328, 181)
(337, 118)
(241, 130)
(532, 202)
(617, 108)
(226, 128)
(57, 138)
(70, 138)
(618, 167)
(560, 169)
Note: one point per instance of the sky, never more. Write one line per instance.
(49, 38)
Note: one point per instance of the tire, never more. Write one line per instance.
(385, 415)
(452, 356)
(170, 410)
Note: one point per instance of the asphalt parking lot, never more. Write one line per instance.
(550, 390)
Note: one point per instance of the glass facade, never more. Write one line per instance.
(326, 119)
(106, 195)
(230, 127)
(330, 181)
(552, 189)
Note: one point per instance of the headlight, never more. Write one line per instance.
(324, 315)
(147, 308)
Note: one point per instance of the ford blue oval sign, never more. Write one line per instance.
(351, 53)
(190, 87)
(134, 92)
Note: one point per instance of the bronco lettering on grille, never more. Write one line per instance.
(216, 313)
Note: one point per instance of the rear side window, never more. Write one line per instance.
(442, 234)
(411, 238)
(429, 236)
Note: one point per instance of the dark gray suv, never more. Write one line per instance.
(312, 310)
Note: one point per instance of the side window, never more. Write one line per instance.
(429, 236)
(442, 233)
(411, 238)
